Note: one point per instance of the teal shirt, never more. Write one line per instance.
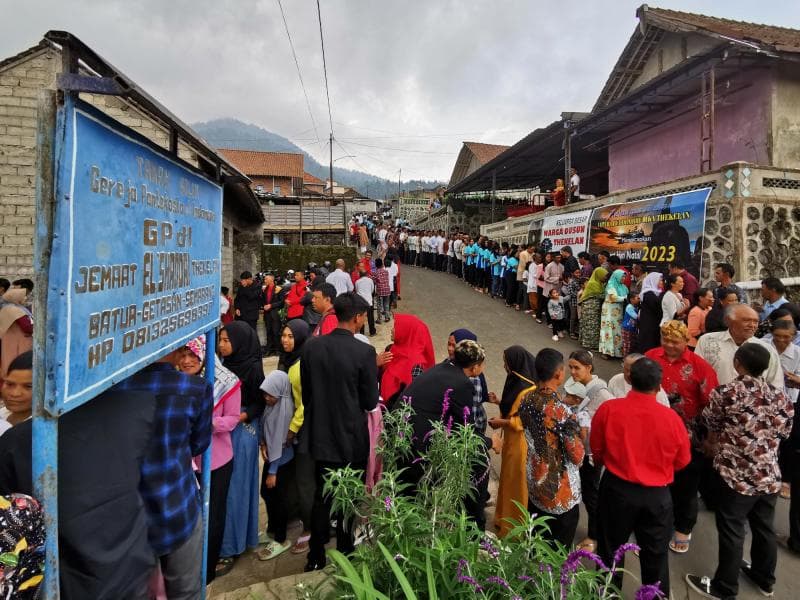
(511, 264)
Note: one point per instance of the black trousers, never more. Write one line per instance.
(560, 325)
(321, 517)
(475, 507)
(272, 323)
(511, 288)
(794, 503)
(562, 527)
(624, 508)
(590, 488)
(733, 511)
(276, 501)
(684, 494)
(217, 511)
(371, 318)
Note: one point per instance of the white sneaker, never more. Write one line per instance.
(561, 334)
(555, 338)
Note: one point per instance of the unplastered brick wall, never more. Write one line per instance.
(20, 84)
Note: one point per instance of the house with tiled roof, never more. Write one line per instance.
(692, 102)
(472, 156)
(273, 174)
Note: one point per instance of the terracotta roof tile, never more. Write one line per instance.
(269, 164)
(485, 152)
(780, 38)
(308, 178)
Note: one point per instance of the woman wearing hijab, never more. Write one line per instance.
(519, 366)
(278, 453)
(412, 353)
(241, 354)
(293, 339)
(590, 302)
(16, 328)
(225, 418)
(650, 313)
(611, 316)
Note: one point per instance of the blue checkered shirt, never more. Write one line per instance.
(182, 429)
(478, 412)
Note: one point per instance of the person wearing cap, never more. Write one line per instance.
(634, 494)
(688, 381)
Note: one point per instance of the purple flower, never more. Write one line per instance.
(544, 567)
(387, 502)
(575, 557)
(446, 402)
(650, 592)
(489, 548)
(462, 564)
(401, 434)
(525, 578)
(498, 581)
(622, 550)
(466, 414)
(449, 425)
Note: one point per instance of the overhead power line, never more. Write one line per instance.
(299, 74)
(325, 67)
(402, 149)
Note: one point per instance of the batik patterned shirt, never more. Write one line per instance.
(750, 417)
(555, 451)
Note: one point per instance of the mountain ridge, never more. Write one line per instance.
(228, 132)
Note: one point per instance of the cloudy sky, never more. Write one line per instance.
(409, 79)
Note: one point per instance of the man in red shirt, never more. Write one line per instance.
(641, 444)
(688, 382)
(294, 310)
(322, 301)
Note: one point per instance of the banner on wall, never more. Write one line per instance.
(654, 232)
(565, 229)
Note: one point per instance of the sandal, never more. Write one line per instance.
(301, 545)
(588, 544)
(679, 546)
(273, 550)
(224, 566)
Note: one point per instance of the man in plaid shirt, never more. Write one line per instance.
(181, 430)
(383, 291)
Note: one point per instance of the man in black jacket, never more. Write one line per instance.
(339, 376)
(427, 393)
(104, 551)
(273, 303)
(249, 300)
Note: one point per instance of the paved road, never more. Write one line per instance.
(447, 304)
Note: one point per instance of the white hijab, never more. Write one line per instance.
(650, 284)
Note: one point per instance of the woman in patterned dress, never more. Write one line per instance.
(590, 302)
(611, 316)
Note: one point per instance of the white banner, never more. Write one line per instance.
(566, 229)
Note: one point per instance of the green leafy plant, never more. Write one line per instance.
(421, 545)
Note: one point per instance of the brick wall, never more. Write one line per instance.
(20, 84)
(19, 88)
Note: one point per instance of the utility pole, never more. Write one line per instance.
(331, 163)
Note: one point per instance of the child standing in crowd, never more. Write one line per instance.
(278, 414)
(559, 313)
(571, 290)
(383, 290)
(630, 324)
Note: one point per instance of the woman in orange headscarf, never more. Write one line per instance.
(412, 353)
(557, 195)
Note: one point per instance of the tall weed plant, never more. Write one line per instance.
(421, 545)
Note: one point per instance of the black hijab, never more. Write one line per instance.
(520, 364)
(245, 363)
(301, 331)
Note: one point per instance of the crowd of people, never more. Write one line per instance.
(703, 408)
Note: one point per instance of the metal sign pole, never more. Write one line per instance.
(211, 344)
(44, 425)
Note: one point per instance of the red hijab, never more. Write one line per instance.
(412, 346)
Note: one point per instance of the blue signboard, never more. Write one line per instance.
(135, 266)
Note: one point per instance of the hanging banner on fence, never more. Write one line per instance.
(135, 265)
(565, 229)
(655, 232)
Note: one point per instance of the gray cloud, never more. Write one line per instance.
(488, 71)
